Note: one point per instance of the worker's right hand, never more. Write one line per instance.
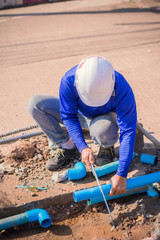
(87, 157)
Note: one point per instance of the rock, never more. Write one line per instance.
(60, 177)
(34, 194)
(4, 202)
(6, 167)
(94, 210)
(35, 158)
(1, 174)
(37, 150)
(40, 157)
(1, 160)
(21, 150)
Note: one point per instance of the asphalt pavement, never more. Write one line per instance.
(38, 44)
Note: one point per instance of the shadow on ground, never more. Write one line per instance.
(155, 9)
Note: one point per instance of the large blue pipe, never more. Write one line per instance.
(132, 183)
(30, 216)
(148, 189)
(78, 172)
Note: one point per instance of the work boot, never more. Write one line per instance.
(61, 156)
(105, 155)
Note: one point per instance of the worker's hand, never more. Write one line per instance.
(87, 157)
(118, 185)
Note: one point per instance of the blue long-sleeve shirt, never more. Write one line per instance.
(123, 103)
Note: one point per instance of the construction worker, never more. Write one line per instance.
(93, 96)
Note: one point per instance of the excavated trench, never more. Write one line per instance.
(136, 218)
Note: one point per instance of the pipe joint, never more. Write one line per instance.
(39, 215)
(78, 172)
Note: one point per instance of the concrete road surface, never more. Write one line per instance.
(39, 43)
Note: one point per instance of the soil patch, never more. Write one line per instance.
(23, 163)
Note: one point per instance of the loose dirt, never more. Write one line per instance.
(135, 215)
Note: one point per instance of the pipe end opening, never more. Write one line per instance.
(155, 160)
(46, 223)
(75, 197)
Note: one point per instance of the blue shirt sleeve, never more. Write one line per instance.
(68, 110)
(127, 121)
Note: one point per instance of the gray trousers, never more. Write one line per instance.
(45, 111)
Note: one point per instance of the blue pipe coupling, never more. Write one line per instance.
(148, 159)
(30, 216)
(78, 172)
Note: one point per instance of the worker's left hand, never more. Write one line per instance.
(118, 185)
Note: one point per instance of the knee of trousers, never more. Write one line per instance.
(33, 103)
(104, 133)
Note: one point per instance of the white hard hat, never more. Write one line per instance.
(95, 81)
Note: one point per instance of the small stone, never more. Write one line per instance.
(35, 158)
(1, 160)
(37, 150)
(21, 178)
(34, 194)
(94, 210)
(113, 227)
(6, 167)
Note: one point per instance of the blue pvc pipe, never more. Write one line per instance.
(132, 183)
(78, 172)
(148, 159)
(148, 189)
(109, 168)
(30, 216)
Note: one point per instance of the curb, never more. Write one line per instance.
(4, 4)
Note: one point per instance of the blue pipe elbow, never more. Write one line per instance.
(30, 216)
(78, 172)
(39, 215)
